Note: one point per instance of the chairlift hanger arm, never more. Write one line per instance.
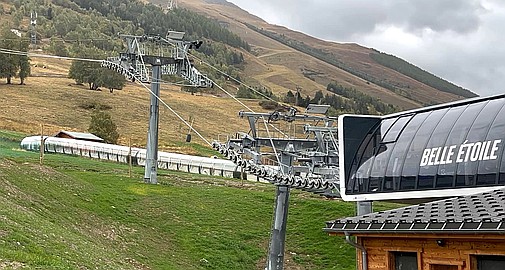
(164, 41)
(284, 116)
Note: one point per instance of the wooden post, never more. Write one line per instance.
(41, 158)
(130, 157)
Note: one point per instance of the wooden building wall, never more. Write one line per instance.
(457, 252)
(63, 135)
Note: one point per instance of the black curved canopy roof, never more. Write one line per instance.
(454, 147)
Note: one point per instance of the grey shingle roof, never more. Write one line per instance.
(483, 212)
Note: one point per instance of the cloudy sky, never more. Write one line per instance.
(462, 41)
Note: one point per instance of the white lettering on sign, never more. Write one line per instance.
(468, 151)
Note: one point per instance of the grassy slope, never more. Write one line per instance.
(77, 213)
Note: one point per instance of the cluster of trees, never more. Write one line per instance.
(154, 20)
(96, 76)
(65, 20)
(261, 93)
(419, 74)
(13, 65)
(344, 100)
(338, 104)
(296, 99)
(221, 54)
(92, 74)
(363, 103)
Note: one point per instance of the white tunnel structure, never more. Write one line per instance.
(119, 153)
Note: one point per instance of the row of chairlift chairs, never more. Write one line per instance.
(318, 185)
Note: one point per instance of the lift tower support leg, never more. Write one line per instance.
(278, 236)
(151, 168)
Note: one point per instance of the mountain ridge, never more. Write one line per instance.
(375, 79)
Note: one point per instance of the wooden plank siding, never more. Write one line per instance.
(457, 250)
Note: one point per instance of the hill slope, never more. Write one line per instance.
(286, 59)
(277, 58)
(75, 213)
(59, 104)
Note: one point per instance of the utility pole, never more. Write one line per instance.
(167, 55)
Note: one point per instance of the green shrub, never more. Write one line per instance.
(102, 126)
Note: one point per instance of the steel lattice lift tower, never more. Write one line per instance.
(33, 27)
(167, 55)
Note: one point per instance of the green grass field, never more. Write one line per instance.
(77, 213)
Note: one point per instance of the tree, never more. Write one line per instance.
(317, 97)
(102, 126)
(11, 64)
(290, 97)
(57, 47)
(111, 79)
(84, 71)
(244, 92)
(49, 14)
(24, 69)
(23, 63)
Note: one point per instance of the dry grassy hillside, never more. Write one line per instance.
(283, 68)
(60, 104)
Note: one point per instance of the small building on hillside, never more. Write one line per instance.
(461, 233)
(78, 136)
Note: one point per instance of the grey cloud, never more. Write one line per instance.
(453, 15)
(342, 19)
(332, 20)
(474, 61)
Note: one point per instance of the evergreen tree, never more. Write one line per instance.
(102, 126)
(317, 97)
(290, 97)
